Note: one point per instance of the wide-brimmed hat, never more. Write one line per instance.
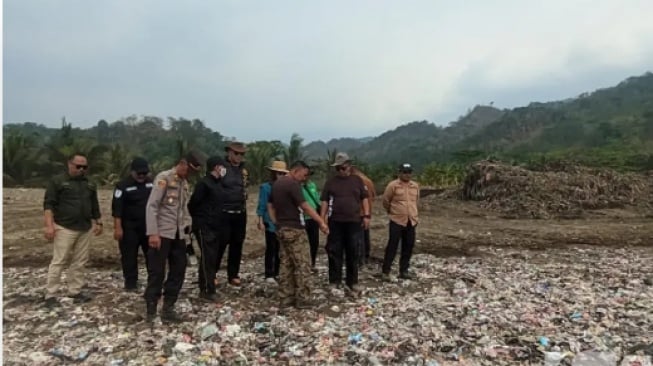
(341, 158)
(236, 146)
(278, 166)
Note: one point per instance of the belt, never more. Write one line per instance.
(235, 212)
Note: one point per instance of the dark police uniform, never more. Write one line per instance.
(129, 201)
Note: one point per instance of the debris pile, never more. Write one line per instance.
(552, 192)
(506, 306)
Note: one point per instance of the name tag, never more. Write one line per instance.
(133, 188)
(149, 185)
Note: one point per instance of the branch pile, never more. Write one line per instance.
(564, 191)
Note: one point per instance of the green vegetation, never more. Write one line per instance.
(611, 127)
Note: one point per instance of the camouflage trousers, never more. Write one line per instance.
(294, 264)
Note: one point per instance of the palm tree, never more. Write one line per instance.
(294, 150)
(18, 158)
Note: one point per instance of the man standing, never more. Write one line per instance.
(400, 201)
(128, 211)
(233, 215)
(71, 212)
(204, 208)
(342, 198)
(168, 229)
(286, 207)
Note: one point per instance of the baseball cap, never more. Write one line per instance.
(139, 165)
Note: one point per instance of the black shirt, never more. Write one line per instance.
(129, 201)
(233, 194)
(204, 205)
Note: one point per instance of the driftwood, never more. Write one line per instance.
(564, 192)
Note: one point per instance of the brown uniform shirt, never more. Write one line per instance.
(344, 195)
(400, 200)
(167, 207)
(286, 197)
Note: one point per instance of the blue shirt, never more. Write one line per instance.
(262, 208)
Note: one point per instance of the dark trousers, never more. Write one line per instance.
(407, 236)
(313, 233)
(132, 239)
(344, 238)
(271, 254)
(207, 238)
(231, 233)
(364, 253)
(172, 252)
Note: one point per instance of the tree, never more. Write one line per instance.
(294, 151)
(18, 158)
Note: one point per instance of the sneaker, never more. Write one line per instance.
(336, 290)
(169, 314)
(354, 291)
(132, 287)
(210, 297)
(235, 282)
(387, 277)
(81, 298)
(52, 302)
(271, 281)
(407, 275)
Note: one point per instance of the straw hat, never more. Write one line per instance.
(278, 166)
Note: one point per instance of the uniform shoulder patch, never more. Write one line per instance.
(161, 183)
(117, 193)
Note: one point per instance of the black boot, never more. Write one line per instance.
(168, 312)
(151, 311)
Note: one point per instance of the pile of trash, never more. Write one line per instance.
(560, 191)
(507, 306)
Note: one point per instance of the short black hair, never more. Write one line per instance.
(299, 164)
(71, 157)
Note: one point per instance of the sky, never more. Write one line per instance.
(323, 69)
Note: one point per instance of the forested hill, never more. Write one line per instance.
(607, 127)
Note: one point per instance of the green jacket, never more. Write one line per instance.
(73, 202)
(312, 197)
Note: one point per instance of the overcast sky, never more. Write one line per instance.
(323, 69)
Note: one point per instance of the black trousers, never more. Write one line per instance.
(313, 233)
(172, 252)
(407, 236)
(231, 233)
(364, 249)
(132, 238)
(207, 238)
(344, 238)
(271, 254)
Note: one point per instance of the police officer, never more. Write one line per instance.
(204, 208)
(233, 216)
(128, 210)
(168, 230)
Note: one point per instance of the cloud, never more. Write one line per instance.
(322, 69)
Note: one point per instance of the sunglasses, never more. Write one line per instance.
(81, 167)
(142, 174)
(239, 153)
(342, 168)
(408, 171)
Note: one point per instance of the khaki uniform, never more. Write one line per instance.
(166, 214)
(167, 208)
(294, 266)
